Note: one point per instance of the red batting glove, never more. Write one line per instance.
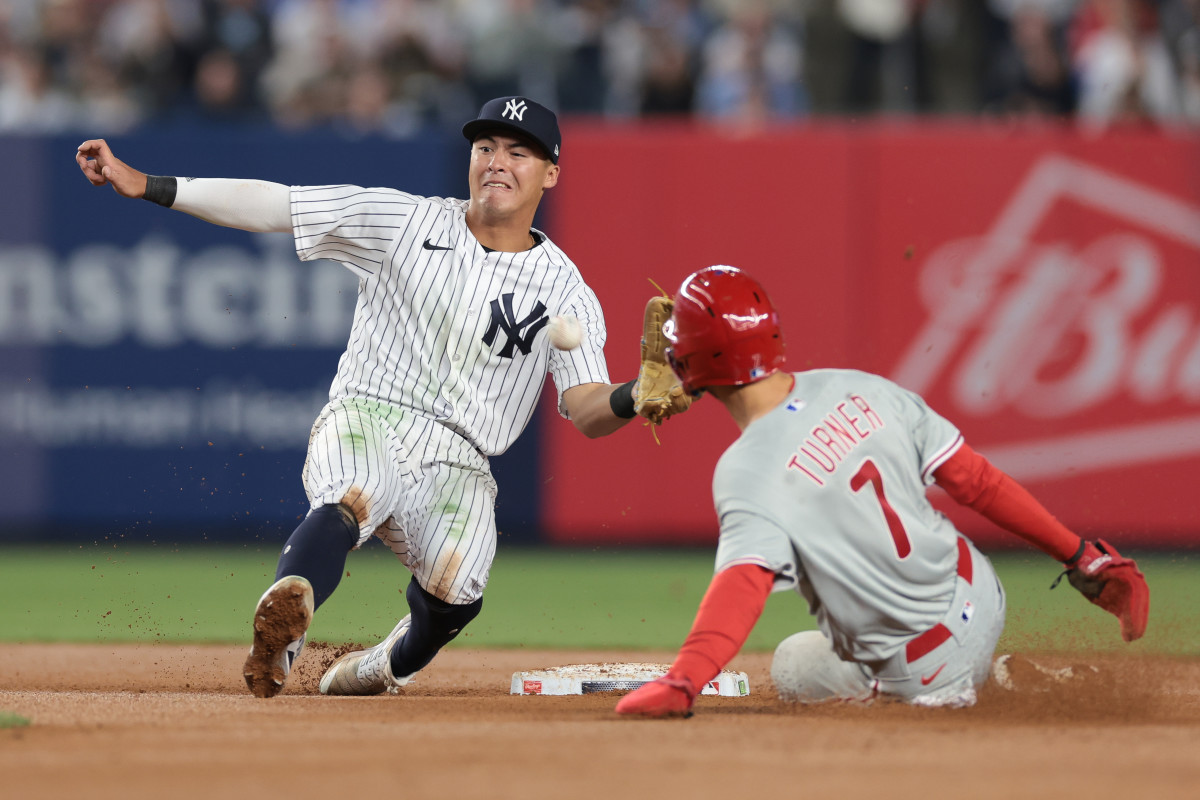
(1113, 582)
(663, 697)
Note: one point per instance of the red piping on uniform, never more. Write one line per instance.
(927, 642)
(936, 636)
(966, 570)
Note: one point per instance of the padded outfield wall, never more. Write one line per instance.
(1039, 288)
(158, 375)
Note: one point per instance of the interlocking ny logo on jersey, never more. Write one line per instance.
(515, 109)
(505, 319)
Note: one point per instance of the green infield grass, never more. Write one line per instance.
(537, 598)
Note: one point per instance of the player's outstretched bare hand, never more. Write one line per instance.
(101, 167)
(664, 697)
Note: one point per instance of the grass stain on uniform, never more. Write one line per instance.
(355, 442)
(458, 525)
(446, 568)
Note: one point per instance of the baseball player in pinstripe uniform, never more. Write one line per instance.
(824, 493)
(446, 360)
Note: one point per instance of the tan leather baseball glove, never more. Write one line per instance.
(658, 393)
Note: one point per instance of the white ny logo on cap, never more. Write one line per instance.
(515, 109)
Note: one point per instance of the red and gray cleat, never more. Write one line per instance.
(366, 672)
(281, 620)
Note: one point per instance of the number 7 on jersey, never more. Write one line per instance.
(869, 473)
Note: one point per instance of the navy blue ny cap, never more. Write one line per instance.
(522, 115)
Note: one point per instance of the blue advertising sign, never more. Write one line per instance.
(158, 374)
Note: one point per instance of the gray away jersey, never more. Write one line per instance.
(828, 492)
(442, 326)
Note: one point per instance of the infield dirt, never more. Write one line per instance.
(154, 721)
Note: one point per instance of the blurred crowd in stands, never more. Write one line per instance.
(392, 67)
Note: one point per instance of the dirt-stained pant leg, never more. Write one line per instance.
(444, 527)
(421, 488)
(356, 457)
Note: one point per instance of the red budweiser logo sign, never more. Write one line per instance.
(1068, 319)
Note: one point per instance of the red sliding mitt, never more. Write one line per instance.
(1112, 582)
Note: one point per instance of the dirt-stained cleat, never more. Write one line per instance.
(281, 620)
(366, 672)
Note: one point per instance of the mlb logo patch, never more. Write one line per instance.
(968, 611)
(795, 405)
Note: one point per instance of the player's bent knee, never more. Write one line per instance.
(446, 619)
(348, 517)
(805, 669)
(333, 521)
(793, 662)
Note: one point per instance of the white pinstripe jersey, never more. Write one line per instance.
(443, 326)
(828, 491)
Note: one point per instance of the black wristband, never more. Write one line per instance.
(161, 189)
(1073, 560)
(621, 400)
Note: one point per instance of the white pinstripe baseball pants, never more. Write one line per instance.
(421, 488)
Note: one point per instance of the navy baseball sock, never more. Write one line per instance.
(434, 623)
(317, 549)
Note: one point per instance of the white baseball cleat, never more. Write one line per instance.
(281, 620)
(365, 672)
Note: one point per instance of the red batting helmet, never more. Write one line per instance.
(724, 331)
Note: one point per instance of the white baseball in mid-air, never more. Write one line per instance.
(565, 332)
